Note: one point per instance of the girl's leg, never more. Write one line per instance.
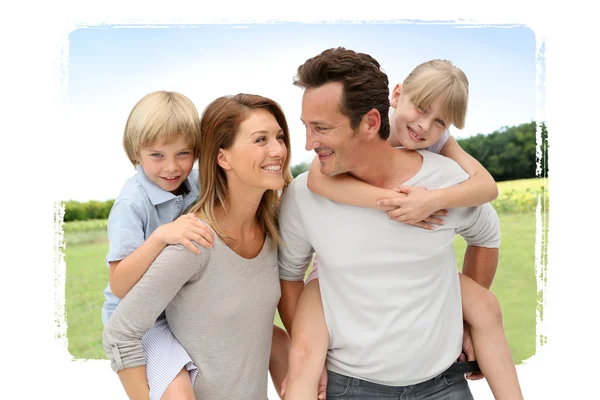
(481, 311)
(310, 340)
(180, 388)
(278, 362)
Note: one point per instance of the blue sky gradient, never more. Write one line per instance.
(111, 67)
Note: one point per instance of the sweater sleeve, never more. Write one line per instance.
(138, 311)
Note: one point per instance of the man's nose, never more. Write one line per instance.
(311, 142)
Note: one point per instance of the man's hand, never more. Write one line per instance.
(321, 391)
(468, 353)
(184, 230)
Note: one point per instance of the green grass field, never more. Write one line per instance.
(514, 285)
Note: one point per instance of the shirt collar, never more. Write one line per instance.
(155, 193)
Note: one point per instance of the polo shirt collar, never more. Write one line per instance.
(155, 193)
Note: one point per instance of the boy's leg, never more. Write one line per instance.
(169, 369)
(134, 382)
(481, 311)
(180, 388)
(310, 341)
(278, 362)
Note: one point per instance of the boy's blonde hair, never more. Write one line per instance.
(436, 78)
(161, 117)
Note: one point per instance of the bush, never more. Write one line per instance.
(78, 211)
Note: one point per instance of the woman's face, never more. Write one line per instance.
(258, 154)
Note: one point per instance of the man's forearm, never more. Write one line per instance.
(290, 292)
(480, 264)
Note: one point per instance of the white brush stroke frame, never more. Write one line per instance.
(35, 54)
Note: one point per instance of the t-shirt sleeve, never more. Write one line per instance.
(437, 146)
(295, 253)
(126, 230)
(481, 227)
(137, 312)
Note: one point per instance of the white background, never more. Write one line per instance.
(35, 362)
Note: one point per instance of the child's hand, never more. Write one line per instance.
(184, 230)
(417, 208)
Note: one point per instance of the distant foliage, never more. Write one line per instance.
(78, 211)
(521, 196)
(510, 153)
(85, 226)
(299, 168)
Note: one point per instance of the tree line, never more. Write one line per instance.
(509, 153)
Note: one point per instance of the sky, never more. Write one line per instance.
(111, 67)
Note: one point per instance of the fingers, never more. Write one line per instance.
(433, 220)
(200, 240)
(190, 246)
(440, 213)
(205, 233)
(393, 202)
(423, 225)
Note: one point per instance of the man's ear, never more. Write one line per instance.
(396, 95)
(371, 123)
(222, 160)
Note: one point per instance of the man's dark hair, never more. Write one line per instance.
(366, 86)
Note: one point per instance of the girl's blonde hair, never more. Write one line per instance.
(436, 78)
(161, 117)
(219, 126)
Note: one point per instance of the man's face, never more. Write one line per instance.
(328, 131)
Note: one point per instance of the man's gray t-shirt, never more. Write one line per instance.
(390, 291)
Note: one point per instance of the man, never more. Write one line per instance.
(390, 291)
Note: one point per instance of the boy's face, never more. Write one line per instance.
(167, 165)
(415, 128)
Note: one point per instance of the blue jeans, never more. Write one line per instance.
(442, 387)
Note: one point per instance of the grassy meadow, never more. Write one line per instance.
(514, 285)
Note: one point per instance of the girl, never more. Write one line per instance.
(413, 125)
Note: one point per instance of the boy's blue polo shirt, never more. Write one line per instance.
(141, 207)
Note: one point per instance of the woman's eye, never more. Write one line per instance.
(260, 139)
(280, 137)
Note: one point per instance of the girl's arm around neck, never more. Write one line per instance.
(346, 189)
(479, 189)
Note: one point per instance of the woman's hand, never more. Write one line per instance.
(419, 207)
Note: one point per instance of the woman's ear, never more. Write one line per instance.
(396, 95)
(222, 160)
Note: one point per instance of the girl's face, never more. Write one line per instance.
(415, 128)
(256, 158)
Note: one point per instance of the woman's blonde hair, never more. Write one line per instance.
(219, 126)
(161, 117)
(436, 78)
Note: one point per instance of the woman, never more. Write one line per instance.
(220, 304)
